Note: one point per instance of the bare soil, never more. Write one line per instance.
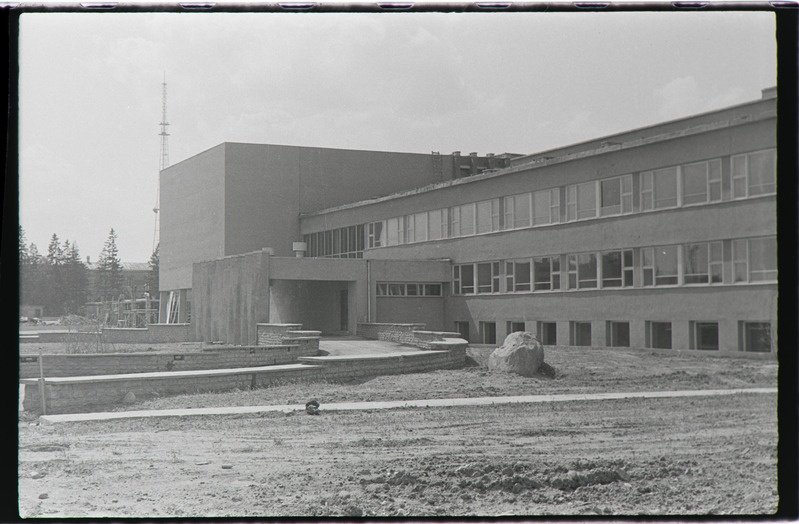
(669, 456)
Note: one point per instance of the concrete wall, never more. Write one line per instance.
(191, 216)
(726, 305)
(115, 363)
(230, 298)
(422, 310)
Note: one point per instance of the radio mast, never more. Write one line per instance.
(164, 159)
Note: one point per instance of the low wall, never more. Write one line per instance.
(153, 334)
(400, 333)
(275, 333)
(83, 394)
(215, 358)
(86, 394)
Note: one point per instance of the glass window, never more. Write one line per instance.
(617, 334)
(467, 279)
(659, 266)
(382, 289)
(517, 211)
(488, 277)
(696, 264)
(517, 275)
(396, 290)
(616, 195)
(658, 334)
(611, 269)
(763, 259)
(755, 336)
(488, 216)
(432, 290)
(375, 232)
(420, 227)
(543, 207)
(580, 333)
(586, 271)
(704, 335)
(701, 182)
(665, 187)
(754, 173)
(467, 219)
(394, 231)
(434, 225)
(543, 271)
(581, 201)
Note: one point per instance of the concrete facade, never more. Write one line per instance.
(662, 236)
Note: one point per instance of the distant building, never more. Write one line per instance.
(659, 237)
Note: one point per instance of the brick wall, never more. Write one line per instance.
(153, 334)
(116, 363)
(275, 333)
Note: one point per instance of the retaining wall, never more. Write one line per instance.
(215, 358)
(275, 333)
(154, 334)
(401, 333)
(82, 394)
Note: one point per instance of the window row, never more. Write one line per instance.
(343, 242)
(406, 289)
(752, 259)
(703, 335)
(750, 175)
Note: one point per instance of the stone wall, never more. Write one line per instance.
(401, 333)
(275, 333)
(153, 334)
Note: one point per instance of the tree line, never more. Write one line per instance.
(61, 282)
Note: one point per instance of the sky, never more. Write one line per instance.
(90, 99)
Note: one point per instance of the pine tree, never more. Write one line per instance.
(152, 277)
(54, 278)
(109, 269)
(75, 280)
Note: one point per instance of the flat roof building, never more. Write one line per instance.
(659, 237)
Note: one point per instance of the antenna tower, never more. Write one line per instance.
(164, 159)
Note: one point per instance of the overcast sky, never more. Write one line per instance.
(90, 92)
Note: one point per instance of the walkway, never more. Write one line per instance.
(394, 404)
(353, 346)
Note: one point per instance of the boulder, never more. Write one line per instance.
(521, 353)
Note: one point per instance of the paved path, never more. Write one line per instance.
(444, 402)
(362, 347)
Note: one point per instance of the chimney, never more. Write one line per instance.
(299, 249)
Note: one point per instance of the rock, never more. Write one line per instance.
(227, 466)
(312, 407)
(44, 496)
(37, 475)
(521, 353)
(129, 398)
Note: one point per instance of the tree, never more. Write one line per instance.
(55, 293)
(152, 277)
(76, 280)
(109, 269)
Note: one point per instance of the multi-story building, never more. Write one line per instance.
(659, 237)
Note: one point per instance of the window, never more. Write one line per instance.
(431, 290)
(658, 335)
(580, 333)
(616, 195)
(512, 326)
(546, 271)
(546, 207)
(581, 201)
(704, 335)
(617, 268)
(375, 234)
(582, 271)
(396, 290)
(659, 265)
(754, 259)
(517, 275)
(659, 189)
(437, 224)
(703, 263)
(488, 332)
(547, 333)
(517, 211)
(402, 289)
(488, 277)
(701, 182)
(467, 217)
(488, 216)
(617, 334)
(395, 231)
(754, 174)
(463, 279)
(754, 336)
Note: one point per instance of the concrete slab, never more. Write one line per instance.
(361, 346)
(428, 403)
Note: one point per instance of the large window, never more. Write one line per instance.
(617, 268)
(582, 271)
(658, 334)
(617, 334)
(546, 207)
(517, 211)
(754, 259)
(546, 271)
(704, 335)
(703, 263)
(437, 224)
(659, 189)
(395, 231)
(517, 275)
(754, 336)
(462, 220)
(375, 234)
(487, 216)
(488, 332)
(480, 278)
(754, 174)
(547, 333)
(616, 195)
(701, 182)
(659, 266)
(581, 201)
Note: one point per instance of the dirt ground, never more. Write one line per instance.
(668, 456)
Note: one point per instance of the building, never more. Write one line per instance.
(659, 237)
